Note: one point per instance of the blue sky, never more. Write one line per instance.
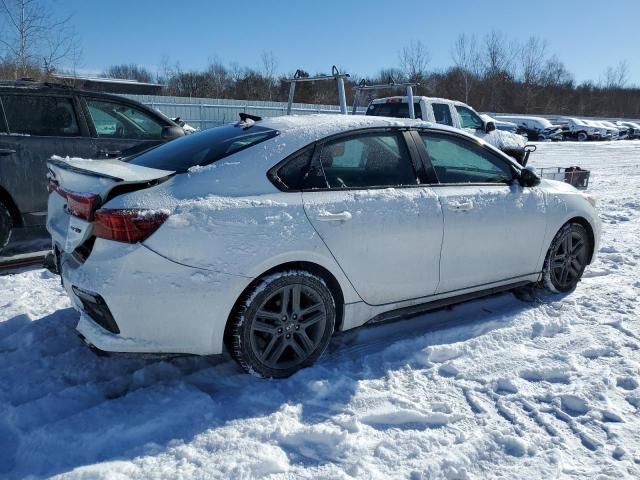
(588, 35)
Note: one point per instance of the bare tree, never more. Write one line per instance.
(617, 77)
(466, 58)
(414, 59)
(269, 65)
(129, 71)
(498, 53)
(34, 36)
(531, 61)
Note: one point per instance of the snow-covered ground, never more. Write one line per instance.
(496, 388)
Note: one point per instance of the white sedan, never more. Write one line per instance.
(267, 236)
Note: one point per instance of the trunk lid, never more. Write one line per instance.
(74, 179)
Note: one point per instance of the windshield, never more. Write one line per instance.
(202, 148)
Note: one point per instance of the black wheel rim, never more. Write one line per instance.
(288, 326)
(568, 260)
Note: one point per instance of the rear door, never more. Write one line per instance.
(382, 226)
(39, 126)
(493, 227)
(120, 128)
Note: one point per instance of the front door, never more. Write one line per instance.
(493, 227)
(121, 129)
(383, 228)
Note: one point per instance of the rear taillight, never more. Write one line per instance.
(127, 225)
(81, 205)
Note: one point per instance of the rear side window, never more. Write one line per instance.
(442, 114)
(394, 109)
(40, 115)
(369, 160)
(115, 120)
(203, 148)
(293, 175)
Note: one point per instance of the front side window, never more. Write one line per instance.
(115, 120)
(368, 160)
(40, 115)
(458, 161)
(442, 114)
(468, 118)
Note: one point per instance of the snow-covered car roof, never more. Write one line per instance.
(317, 126)
(489, 118)
(526, 118)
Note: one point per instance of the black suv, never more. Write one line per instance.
(38, 120)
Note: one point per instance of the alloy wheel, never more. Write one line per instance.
(288, 326)
(568, 260)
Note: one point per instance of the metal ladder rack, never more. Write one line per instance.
(335, 75)
(362, 87)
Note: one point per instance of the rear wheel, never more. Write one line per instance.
(567, 258)
(284, 324)
(6, 225)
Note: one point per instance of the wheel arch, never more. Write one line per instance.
(5, 198)
(313, 268)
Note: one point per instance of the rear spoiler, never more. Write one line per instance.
(66, 166)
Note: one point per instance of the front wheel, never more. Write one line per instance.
(283, 324)
(582, 136)
(566, 258)
(6, 225)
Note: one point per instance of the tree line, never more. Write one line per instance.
(492, 73)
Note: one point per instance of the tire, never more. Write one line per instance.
(6, 225)
(283, 324)
(566, 258)
(583, 137)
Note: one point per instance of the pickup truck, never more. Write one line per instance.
(453, 113)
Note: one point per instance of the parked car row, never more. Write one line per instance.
(571, 128)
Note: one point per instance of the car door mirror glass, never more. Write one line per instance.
(489, 127)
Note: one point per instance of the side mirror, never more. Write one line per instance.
(170, 132)
(528, 177)
(489, 127)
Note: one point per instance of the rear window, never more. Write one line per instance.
(203, 148)
(397, 109)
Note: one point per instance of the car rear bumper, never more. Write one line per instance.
(134, 300)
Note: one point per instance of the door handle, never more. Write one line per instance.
(334, 217)
(461, 206)
(109, 153)
(7, 151)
